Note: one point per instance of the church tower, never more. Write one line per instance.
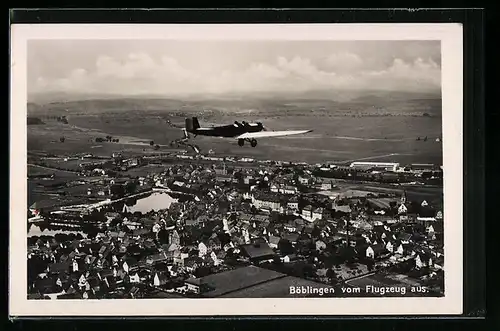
(403, 197)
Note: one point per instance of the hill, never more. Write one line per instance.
(369, 103)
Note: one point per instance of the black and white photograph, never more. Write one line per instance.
(211, 162)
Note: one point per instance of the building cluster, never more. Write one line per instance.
(282, 218)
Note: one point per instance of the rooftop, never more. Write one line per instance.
(234, 280)
(276, 288)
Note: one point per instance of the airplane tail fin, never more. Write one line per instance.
(192, 124)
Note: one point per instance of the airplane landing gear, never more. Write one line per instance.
(253, 142)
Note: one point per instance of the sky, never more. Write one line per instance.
(169, 68)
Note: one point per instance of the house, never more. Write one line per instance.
(423, 260)
(375, 251)
(425, 220)
(134, 278)
(308, 230)
(57, 268)
(370, 253)
(214, 258)
(390, 247)
(273, 241)
(157, 258)
(214, 243)
(274, 188)
(174, 238)
(307, 212)
(405, 238)
(418, 262)
(192, 263)
(138, 232)
(341, 210)
(439, 215)
(288, 258)
(290, 226)
(248, 180)
(317, 214)
(196, 285)
(288, 189)
(266, 202)
(75, 266)
(191, 222)
(438, 263)
(160, 279)
(304, 180)
(291, 237)
(320, 245)
(293, 204)
(202, 249)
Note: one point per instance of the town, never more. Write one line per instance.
(211, 226)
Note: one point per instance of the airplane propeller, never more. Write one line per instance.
(241, 124)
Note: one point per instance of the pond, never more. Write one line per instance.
(154, 201)
(35, 230)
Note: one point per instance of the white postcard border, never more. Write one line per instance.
(450, 35)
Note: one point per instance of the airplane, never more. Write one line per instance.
(241, 131)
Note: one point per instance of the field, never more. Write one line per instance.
(342, 131)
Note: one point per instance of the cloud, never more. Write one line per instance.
(344, 62)
(140, 73)
(418, 75)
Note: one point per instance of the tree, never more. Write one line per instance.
(285, 247)
(163, 236)
(274, 217)
(151, 143)
(117, 190)
(91, 231)
(62, 139)
(224, 238)
(61, 237)
(332, 276)
(202, 272)
(114, 222)
(370, 264)
(130, 187)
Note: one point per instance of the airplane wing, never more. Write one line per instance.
(264, 134)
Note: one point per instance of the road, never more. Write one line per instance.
(52, 169)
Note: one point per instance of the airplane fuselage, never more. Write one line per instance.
(226, 131)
